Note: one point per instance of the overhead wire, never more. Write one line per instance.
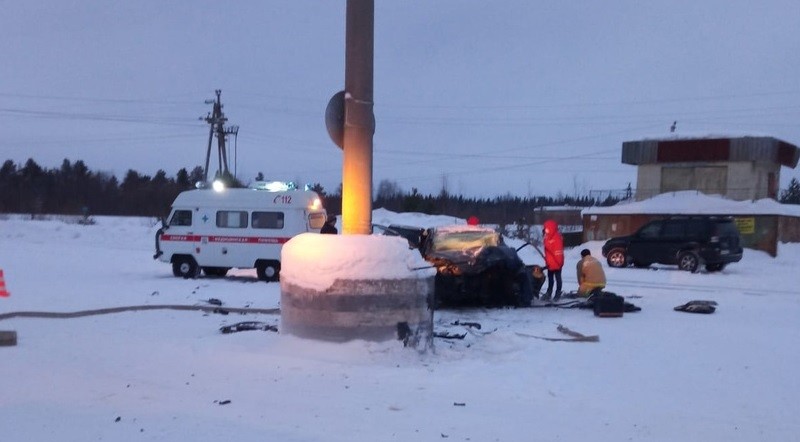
(621, 118)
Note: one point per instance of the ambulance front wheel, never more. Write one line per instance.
(184, 267)
(268, 270)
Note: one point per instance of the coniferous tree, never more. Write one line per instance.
(791, 195)
(9, 187)
(196, 175)
(182, 180)
(73, 188)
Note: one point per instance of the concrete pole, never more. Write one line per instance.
(359, 121)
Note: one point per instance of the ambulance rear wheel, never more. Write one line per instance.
(184, 267)
(268, 270)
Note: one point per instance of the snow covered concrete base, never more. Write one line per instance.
(369, 287)
(372, 310)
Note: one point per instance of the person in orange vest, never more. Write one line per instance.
(553, 258)
(591, 276)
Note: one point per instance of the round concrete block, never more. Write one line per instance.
(345, 287)
(373, 310)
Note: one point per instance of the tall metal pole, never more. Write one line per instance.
(208, 153)
(216, 119)
(359, 121)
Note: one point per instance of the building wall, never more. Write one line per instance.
(603, 227)
(737, 180)
(648, 181)
(789, 229)
(750, 180)
(564, 217)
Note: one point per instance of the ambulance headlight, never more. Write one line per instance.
(218, 185)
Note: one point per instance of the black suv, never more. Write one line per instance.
(686, 241)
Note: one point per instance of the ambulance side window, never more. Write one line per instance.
(267, 220)
(232, 219)
(181, 218)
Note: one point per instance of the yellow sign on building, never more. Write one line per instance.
(746, 226)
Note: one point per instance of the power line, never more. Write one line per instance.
(65, 141)
(596, 103)
(94, 99)
(97, 117)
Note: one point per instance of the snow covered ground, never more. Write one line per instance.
(655, 375)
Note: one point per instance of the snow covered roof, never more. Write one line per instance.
(691, 202)
(672, 136)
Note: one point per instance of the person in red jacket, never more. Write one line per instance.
(553, 258)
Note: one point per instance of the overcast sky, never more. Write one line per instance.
(483, 97)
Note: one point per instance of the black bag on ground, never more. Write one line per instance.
(608, 305)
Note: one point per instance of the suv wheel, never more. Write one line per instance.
(688, 261)
(617, 258)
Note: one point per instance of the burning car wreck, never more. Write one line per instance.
(475, 268)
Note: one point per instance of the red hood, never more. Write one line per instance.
(550, 226)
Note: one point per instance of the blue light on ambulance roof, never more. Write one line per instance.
(273, 186)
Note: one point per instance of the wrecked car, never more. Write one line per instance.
(411, 234)
(475, 268)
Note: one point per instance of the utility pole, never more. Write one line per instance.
(359, 121)
(350, 120)
(216, 120)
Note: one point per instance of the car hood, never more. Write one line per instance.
(475, 260)
(456, 261)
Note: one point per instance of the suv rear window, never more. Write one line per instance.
(696, 229)
(673, 229)
(727, 228)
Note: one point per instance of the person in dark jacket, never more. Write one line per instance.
(330, 226)
(553, 257)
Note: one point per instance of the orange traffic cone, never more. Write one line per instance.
(3, 292)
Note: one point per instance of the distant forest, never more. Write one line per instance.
(74, 189)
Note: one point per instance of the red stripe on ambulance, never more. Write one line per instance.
(226, 239)
(189, 238)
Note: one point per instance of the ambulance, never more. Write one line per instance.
(215, 230)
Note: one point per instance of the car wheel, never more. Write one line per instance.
(268, 270)
(715, 267)
(184, 267)
(688, 261)
(617, 258)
